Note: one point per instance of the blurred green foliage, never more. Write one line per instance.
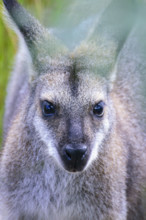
(48, 12)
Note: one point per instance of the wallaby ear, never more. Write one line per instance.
(116, 22)
(27, 25)
(109, 34)
(99, 52)
(41, 44)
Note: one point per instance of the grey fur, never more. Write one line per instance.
(34, 183)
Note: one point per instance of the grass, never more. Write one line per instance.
(42, 9)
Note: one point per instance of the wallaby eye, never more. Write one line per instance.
(48, 109)
(98, 109)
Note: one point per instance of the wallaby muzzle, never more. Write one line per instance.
(74, 157)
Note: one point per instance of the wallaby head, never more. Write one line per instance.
(70, 104)
(70, 117)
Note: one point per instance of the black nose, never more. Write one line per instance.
(75, 157)
(75, 154)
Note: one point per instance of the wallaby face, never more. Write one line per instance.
(71, 115)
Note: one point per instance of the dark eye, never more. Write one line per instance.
(48, 109)
(98, 109)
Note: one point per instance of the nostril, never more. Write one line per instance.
(82, 152)
(68, 154)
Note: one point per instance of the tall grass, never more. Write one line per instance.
(47, 11)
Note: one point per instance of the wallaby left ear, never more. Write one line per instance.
(116, 22)
(37, 38)
(110, 34)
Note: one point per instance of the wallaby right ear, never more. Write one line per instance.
(27, 25)
(37, 38)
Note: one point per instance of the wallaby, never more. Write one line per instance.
(74, 125)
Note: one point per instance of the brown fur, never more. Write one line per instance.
(34, 182)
